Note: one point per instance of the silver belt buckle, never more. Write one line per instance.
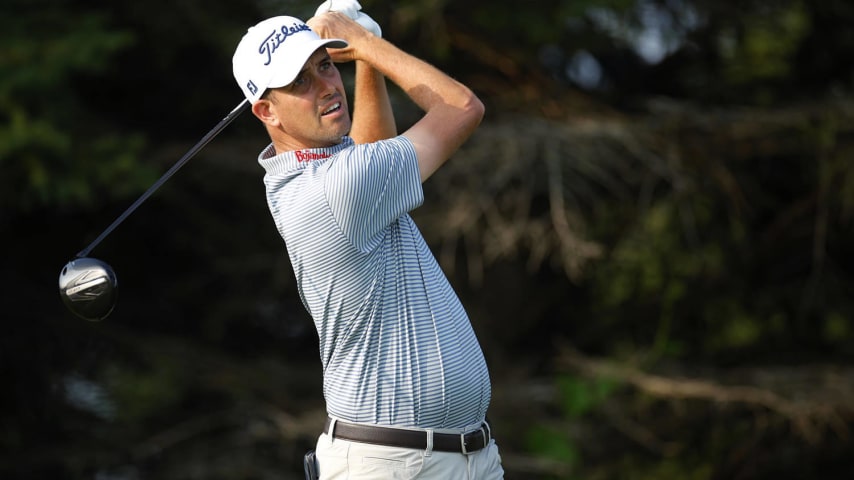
(463, 444)
(483, 432)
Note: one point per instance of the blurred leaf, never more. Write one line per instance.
(580, 396)
(53, 151)
(837, 328)
(764, 46)
(552, 444)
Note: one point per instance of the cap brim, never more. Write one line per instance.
(287, 75)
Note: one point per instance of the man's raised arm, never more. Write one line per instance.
(452, 111)
(373, 118)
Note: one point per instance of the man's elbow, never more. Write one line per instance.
(475, 110)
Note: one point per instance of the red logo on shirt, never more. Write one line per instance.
(307, 156)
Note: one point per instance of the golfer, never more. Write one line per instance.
(404, 379)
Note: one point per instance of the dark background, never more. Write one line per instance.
(651, 230)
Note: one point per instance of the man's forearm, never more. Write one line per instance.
(373, 118)
(426, 85)
(452, 111)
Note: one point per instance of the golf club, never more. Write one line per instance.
(89, 286)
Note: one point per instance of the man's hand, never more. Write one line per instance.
(352, 9)
(338, 25)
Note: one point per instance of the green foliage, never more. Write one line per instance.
(762, 46)
(679, 468)
(653, 266)
(53, 150)
(735, 248)
(579, 399)
(145, 394)
(581, 396)
(837, 327)
(577, 9)
(552, 444)
(43, 50)
(731, 326)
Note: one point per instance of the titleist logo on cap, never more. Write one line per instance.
(278, 37)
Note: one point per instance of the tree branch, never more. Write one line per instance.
(825, 404)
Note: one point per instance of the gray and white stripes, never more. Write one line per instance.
(396, 345)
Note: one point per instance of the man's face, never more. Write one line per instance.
(312, 110)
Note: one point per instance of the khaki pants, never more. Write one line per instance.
(340, 459)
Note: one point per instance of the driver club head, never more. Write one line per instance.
(88, 288)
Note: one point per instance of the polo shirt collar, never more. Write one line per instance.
(298, 159)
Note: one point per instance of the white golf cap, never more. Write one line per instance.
(273, 52)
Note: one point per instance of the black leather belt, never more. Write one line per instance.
(397, 437)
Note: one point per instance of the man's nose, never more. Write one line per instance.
(327, 86)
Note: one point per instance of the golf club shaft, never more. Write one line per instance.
(180, 163)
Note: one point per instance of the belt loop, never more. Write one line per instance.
(463, 444)
(487, 434)
(429, 450)
(332, 422)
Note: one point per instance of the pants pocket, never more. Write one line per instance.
(372, 461)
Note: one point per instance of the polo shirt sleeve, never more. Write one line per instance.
(370, 186)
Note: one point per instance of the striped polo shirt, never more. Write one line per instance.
(396, 345)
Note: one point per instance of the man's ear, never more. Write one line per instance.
(264, 111)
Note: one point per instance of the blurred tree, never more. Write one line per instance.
(662, 183)
(54, 151)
